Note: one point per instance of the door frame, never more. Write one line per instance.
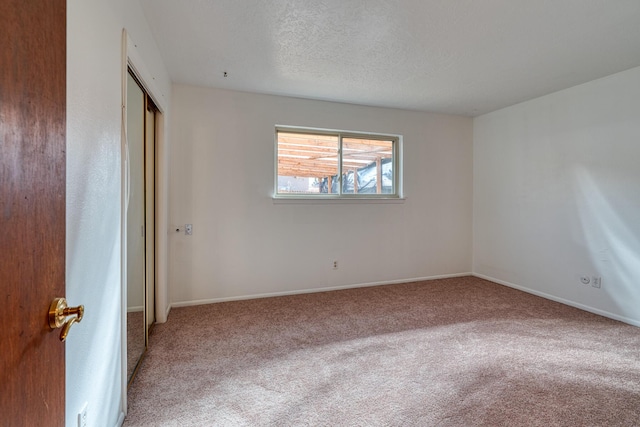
(132, 59)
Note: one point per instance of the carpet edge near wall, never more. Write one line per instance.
(314, 290)
(560, 300)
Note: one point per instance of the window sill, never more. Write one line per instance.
(314, 200)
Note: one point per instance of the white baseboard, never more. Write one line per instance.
(310, 291)
(561, 300)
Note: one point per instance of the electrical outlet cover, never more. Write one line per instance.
(82, 416)
(596, 281)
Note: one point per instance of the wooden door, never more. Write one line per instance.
(32, 209)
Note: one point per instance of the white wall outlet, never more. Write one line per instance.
(585, 280)
(82, 416)
(596, 281)
(188, 229)
(335, 265)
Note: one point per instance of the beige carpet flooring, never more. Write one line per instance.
(454, 352)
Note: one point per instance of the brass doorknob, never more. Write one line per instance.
(58, 313)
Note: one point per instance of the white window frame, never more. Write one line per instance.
(397, 167)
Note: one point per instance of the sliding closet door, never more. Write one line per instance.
(141, 149)
(135, 203)
(150, 178)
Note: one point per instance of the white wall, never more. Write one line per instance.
(243, 244)
(557, 195)
(94, 79)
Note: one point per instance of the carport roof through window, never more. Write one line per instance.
(313, 163)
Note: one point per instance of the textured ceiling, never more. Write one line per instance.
(464, 57)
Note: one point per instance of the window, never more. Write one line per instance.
(335, 164)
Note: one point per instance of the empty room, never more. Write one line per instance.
(323, 213)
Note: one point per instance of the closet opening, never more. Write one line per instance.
(140, 207)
